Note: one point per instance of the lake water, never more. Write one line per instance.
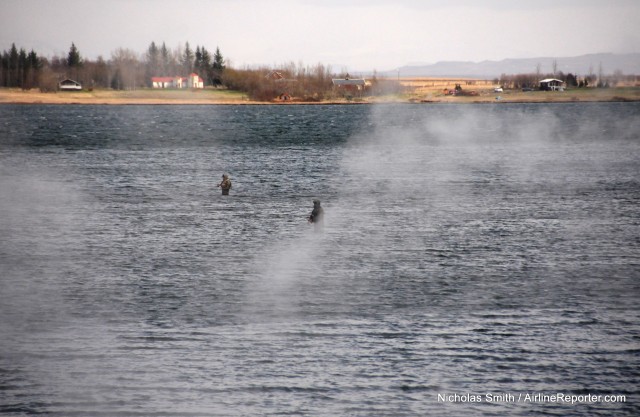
(475, 260)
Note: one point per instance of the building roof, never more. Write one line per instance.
(348, 81)
(163, 79)
(69, 81)
(275, 75)
(548, 80)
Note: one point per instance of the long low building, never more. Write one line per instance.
(193, 81)
(354, 83)
(349, 86)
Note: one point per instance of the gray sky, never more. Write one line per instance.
(347, 34)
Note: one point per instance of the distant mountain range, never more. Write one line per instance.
(579, 65)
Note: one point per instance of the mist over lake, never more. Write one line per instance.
(469, 253)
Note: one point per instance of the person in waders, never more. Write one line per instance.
(225, 184)
(317, 216)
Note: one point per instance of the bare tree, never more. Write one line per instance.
(127, 71)
(96, 73)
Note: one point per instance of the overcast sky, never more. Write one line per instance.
(347, 34)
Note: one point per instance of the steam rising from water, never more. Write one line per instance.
(462, 247)
(417, 191)
(42, 206)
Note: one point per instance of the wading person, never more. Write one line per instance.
(317, 216)
(225, 184)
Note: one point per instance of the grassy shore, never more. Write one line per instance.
(141, 96)
(413, 93)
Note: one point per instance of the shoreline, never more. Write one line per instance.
(223, 97)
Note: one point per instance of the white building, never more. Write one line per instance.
(69, 85)
(193, 81)
(551, 84)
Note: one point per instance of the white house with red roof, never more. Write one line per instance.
(192, 81)
(166, 82)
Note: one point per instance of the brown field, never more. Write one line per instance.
(428, 85)
(415, 90)
(434, 90)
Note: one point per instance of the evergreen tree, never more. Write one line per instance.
(73, 58)
(198, 61)
(152, 67)
(206, 66)
(73, 62)
(23, 68)
(218, 68)
(19, 68)
(153, 53)
(203, 64)
(571, 80)
(34, 65)
(165, 60)
(14, 59)
(3, 69)
(187, 60)
(34, 61)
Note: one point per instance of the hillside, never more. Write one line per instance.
(581, 65)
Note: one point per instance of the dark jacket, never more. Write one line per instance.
(317, 214)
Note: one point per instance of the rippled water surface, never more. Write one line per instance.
(468, 251)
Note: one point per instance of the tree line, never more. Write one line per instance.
(125, 70)
(20, 69)
(307, 83)
(600, 80)
(128, 70)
